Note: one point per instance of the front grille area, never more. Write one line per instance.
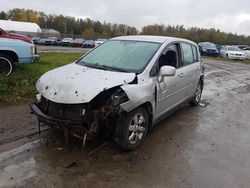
(61, 111)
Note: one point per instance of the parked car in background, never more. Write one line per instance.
(35, 40)
(233, 52)
(66, 42)
(242, 46)
(42, 41)
(57, 42)
(5, 34)
(14, 51)
(124, 87)
(78, 42)
(247, 52)
(53, 41)
(208, 49)
(100, 41)
(50, 40)
(88, 44)
(219, 47)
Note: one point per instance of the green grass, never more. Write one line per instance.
(19, 87)
(247, 61)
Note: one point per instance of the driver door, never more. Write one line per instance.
(170, 89)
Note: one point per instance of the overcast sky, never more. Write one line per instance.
(226, 15)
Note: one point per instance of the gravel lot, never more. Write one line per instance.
(204, 146)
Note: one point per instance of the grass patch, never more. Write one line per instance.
(247, 61)
(20, 85)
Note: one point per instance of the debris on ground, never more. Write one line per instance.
(203, 104)
(99, 148)
(73, 164)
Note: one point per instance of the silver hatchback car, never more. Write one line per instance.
(121, 88)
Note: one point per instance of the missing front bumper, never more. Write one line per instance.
(53, 121)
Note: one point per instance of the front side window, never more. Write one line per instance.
(119, 55)
(187, 54)
(169, 57)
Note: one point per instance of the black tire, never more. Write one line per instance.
(126, 128)
(197, 96)
(7, 65)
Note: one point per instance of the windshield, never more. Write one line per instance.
(208, 45)
(128, 56)
(233, 48)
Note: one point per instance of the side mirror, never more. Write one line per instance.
(166, 71)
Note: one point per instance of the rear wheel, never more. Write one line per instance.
(6, 65)
(132, 129)
(197, 97)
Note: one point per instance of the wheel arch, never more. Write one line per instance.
(10, 54)
(148, 107)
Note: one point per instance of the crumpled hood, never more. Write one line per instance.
(74, 84)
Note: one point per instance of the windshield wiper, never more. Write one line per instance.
(113, 68)
(103, 67)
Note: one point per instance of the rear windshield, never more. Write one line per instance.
(128, 56)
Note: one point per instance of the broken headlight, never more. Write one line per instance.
(119, 97)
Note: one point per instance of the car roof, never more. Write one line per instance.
(151, 38)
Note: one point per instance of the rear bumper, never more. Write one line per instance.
(52, 121)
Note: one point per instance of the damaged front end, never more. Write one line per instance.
(83, 120)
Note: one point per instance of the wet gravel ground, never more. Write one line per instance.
(205, 146)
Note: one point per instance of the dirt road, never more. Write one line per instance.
(194, 147)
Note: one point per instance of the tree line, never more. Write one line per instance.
(90, 27)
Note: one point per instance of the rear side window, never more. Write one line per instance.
(187, 54)
(195, 53)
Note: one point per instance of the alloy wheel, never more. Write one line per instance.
(136, 128)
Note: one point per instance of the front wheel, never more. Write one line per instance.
(197, 97)
(131, 130)
(6, 65)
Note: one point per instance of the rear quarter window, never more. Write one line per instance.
(187, 54)
(195, 53)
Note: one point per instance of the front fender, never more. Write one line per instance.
(139, 94)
